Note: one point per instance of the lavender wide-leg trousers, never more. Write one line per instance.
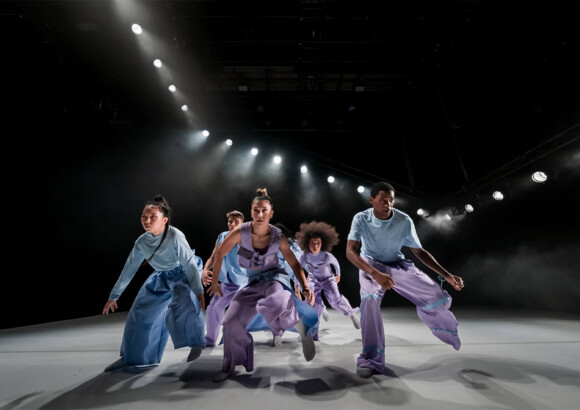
(335, 299)
(432, 303)
(215, 312)
(269, 298)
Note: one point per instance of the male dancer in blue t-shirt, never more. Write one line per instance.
(374, 245)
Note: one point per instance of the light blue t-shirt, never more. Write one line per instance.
(231, 271)
(382, 240)
(174, 251)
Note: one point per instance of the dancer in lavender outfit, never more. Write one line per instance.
(383, 230)
(232, 277)
(268, 291)
(316, 240)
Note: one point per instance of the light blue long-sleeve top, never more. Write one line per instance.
(174, 251)
(382, 240)
(231, 271)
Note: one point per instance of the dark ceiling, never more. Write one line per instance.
(433, 96)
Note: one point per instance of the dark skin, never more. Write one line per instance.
(382, 205)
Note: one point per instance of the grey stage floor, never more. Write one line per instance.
(508, 360)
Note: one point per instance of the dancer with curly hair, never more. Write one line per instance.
(316, 240)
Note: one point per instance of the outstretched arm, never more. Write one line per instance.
(353, 255)
(297, 269)
(432, 264)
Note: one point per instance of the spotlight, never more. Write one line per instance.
(447, 217)
(184, 107)
(539, 177)
(205, 133)
(277, 159)
(469, 207)
(254, 151)
(136, 29)
(229, 142)
(330, 179)
(360, 189)
(420, 212)
(303, 169)
(172, 88)
(157, 63)
(497, 195)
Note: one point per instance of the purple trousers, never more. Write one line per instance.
(215, 312)
(431, 300)
(273, 302)
(329, 286)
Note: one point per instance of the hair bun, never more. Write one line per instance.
(262, 192)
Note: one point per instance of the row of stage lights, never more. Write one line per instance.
(277, 159)
(137, 29)
(538, 177)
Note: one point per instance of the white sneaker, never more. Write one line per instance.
(325, 315)
(277, 341)
(355, 320)
(308, 348)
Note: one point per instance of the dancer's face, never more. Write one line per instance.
(383, 204)
(233, 222)
(262, 212)
(153, 220)
(315, 245)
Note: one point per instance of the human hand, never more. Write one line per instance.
(110, 305)
(455, 281)
(384, 280)
(206, 277)
(337, 277)
(308, 296)
(215, 289)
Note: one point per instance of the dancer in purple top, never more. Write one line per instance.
(374, 245)
(316, 240)
(268, 292)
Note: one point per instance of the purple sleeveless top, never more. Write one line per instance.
(261, 264)
(319, 265)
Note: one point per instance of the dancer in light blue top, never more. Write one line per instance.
(382, 231)
(170, 302)
(232, 278)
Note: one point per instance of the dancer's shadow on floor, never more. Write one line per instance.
(137, 384)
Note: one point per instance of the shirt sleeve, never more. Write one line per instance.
(333, 262)
(187, 259)
(412, 239)
(132, 264)
(355, 233)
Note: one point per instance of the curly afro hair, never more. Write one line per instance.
(327, 234)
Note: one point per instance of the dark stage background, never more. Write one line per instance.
(75, 196)
(75, 184)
